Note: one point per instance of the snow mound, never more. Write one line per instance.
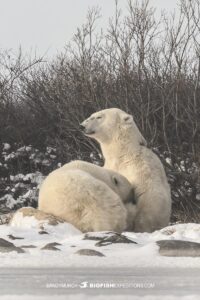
(28, 222)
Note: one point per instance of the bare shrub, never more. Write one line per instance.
(147, 66)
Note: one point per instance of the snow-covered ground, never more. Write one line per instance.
(41, 273)
(25, 232)
(96, 297)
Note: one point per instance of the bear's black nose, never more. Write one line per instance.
(82, 127)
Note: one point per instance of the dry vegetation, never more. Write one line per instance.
(143, 64)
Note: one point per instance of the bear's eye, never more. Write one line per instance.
(116, 182)
(99, 117)
(126, 119)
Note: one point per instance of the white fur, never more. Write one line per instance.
(125, 151)
(82, 200)
(118, 183)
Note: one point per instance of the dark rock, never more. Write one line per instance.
(178, 248)
(43, 232)
(28, 246)
(114, 239)
(6, 246)
(54, 244)
(168, 231)
(51, 246)
(12, 237)
(89, 252)
(91, 236)
(4, 243)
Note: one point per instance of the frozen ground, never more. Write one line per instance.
(134, 269)
(143, 254)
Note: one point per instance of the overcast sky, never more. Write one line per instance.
(46, 25)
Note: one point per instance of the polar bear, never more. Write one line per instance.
(124, 149)
(84, 201)
(118, 183)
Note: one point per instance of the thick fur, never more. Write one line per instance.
(118, 183)
(82, 200)
(124, 149)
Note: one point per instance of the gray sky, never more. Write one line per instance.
(46, 25)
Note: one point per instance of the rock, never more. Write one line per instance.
(43, 232)
(93, 236)
(107, 238)
(12, 237)
(114, 239)
(6, 246)
(168, 231)
(178, 248)
(4, 243)
(89, 252)
(28, 246)
(51, 246)
(48, 247)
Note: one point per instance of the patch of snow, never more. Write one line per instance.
(50, 150)
(23, 222)
(6, 146)
(9, 156)
(198, 197)
(29, 222)
(10, 201)
(16, 178)
(84, 296)
(28, 177)
(28, 148)
(27, 195)
(46, 162)
(169, 161)
(37, 178)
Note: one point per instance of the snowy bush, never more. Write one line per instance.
(184, 177)
(145, 65)
(22, 169)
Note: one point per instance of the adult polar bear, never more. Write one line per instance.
(87, 196)
(124, 149)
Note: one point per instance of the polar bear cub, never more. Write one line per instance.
(83, 200)
(124, 149)
(118, 183)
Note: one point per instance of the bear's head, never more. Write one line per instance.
(109, 124)
(121, 186)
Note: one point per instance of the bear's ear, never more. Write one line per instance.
(115, 180)
(127, 119)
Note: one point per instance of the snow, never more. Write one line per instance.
(97, 297)
(133, 257)
(143, 254)
(168, 160)
(21, 222)
(6, 146)
(10, 156)
(10, 201)
(24, 222)
(198, 197)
